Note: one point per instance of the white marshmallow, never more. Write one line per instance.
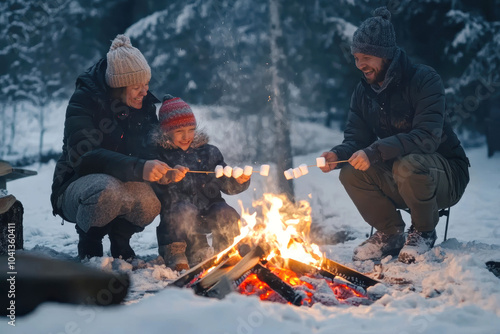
(288, 174)
(303, 169)
(264, 170)
(297, 173)
(321, 162)
(237, 172)
(219, 171)
(248, 170)
(228, 171)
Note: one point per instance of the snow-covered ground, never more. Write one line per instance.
(451, 292)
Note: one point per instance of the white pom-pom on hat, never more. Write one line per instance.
(120, 41)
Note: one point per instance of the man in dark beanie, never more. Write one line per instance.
(402, 151)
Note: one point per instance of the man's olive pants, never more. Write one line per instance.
(424, 183)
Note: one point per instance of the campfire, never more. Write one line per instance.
(273, 259)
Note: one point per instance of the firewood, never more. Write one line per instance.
(221, 289)
(278, 285)
(196, 270)
(349, 274)
(247, 262)
(216, 274)
(205, 265)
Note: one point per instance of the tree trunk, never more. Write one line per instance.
(10, 148)
(41, 121)
(4, 130)
(283, 154)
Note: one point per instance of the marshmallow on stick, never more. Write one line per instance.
(264, 170)
(219, 171)
(303, 169)
(248, 170)
(321, 162)
(289, 174)
(228, 171)
(237, 172)
(297, 173)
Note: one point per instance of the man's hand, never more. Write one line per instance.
(154, 170)
(243, 178)
(359, 160)
(330, 158)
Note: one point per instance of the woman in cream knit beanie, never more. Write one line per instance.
(102, 179)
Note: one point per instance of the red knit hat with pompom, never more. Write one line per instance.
(175, 113)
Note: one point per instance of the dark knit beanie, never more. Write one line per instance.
(175, 113)
(375, 36)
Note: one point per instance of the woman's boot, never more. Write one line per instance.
(119, 236)
(90, 242)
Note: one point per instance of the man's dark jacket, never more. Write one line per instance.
(407, 116)
(101, 134)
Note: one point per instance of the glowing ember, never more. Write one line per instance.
(311, 293)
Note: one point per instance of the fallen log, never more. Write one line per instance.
(34, 279)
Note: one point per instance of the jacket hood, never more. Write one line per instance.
(161, 138)
(94, 79)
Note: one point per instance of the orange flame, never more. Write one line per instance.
(284, 226)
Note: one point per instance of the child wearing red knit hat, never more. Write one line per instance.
(192, 207)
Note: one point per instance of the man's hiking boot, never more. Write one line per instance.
(378, 246)
(417, 243)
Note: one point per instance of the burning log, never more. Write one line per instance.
(216, 274)
(349, 274)
(229, 274)
(302, 269)
(191, 274)
(275, 283)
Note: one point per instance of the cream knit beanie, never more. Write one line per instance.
(126, 64)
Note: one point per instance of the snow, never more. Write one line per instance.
(183, 19)
(141, 27)
(451, 290)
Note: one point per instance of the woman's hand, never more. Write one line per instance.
(154, 170)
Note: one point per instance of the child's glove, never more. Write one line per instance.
(243, 178)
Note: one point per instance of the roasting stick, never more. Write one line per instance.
(295, 173)
(195, 171)
(236, 172)
(330, 163)
(210, 172)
